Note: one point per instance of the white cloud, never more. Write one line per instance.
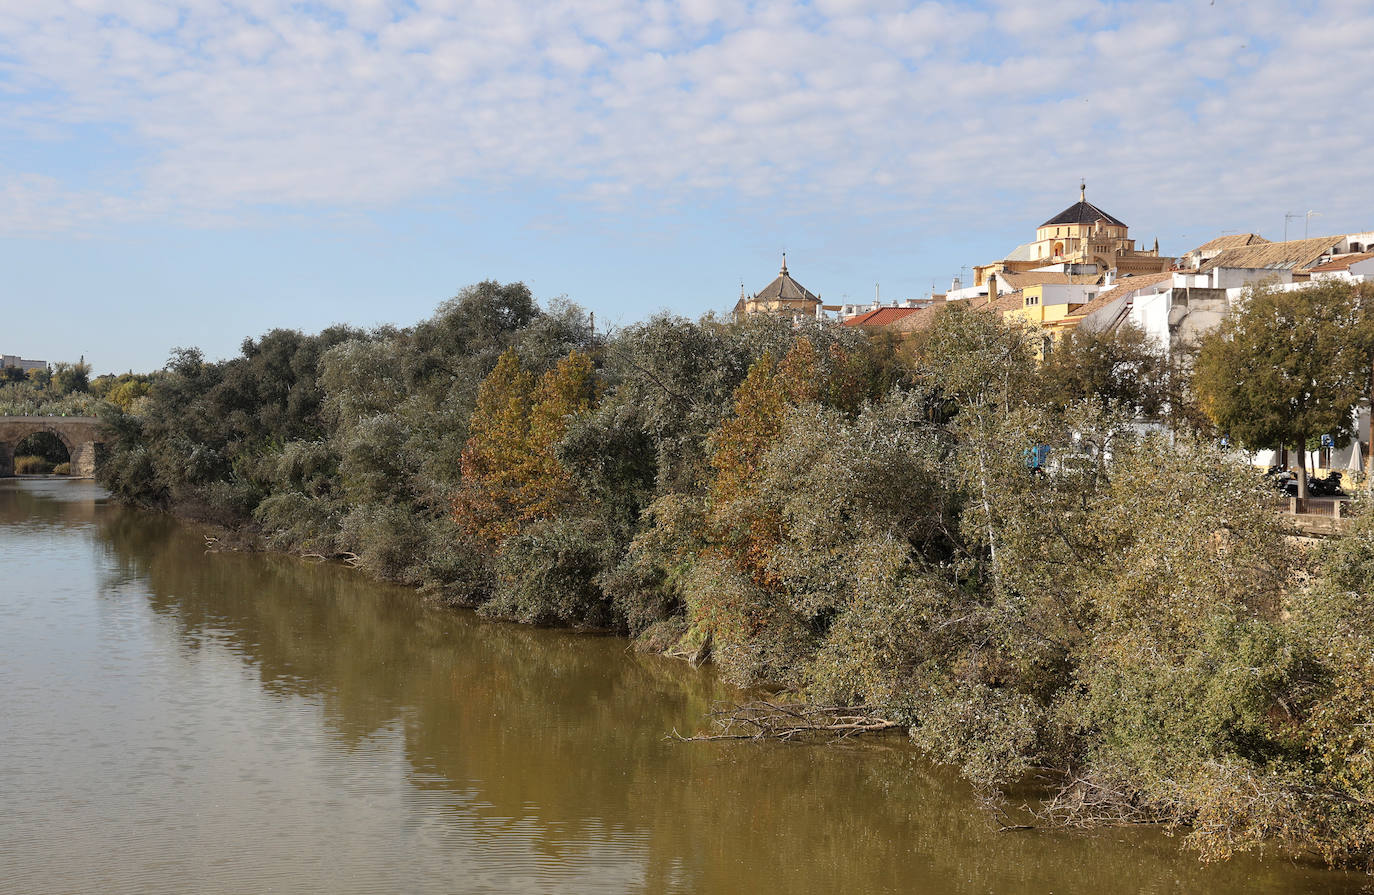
(839, 105)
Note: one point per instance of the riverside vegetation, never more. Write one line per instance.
(849, 520)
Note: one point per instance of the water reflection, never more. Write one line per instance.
(56, 501)
(380, 744)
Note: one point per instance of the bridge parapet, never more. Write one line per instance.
(83, 436)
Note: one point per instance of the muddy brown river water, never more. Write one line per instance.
(177, 721)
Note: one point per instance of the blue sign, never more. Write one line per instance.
(1035, 457)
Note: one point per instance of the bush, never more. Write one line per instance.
(62, 469)
(32, 465)
(548, 574)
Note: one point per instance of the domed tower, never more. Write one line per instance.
(784, 296)
(1083, 234)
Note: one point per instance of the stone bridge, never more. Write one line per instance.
(83, 436)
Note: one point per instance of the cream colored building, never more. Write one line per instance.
(1079, 237)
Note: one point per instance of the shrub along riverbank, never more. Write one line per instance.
(852, 521)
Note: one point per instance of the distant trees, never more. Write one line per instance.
(1288, 366)
(64, 389)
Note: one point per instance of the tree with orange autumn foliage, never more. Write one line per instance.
(510, 474)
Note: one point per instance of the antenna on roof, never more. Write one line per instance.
(1286, 218)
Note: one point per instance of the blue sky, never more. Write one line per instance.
(195, 172)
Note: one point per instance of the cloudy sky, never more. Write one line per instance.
(191, 173)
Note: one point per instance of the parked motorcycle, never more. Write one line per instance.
(1328, 486)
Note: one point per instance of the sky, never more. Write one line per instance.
(177, 174)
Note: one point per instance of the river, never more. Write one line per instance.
(173, 720)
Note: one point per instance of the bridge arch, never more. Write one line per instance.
(83, 436)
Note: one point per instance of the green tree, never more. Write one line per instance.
(1122, 367)
(1287, 367)
(68, 378)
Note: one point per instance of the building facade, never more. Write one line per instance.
(14, 360)
(1082, 235)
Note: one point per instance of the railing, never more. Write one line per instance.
(1329, 507)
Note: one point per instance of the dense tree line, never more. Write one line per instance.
(986, 549)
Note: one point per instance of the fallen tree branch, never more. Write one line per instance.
(1082, 802)
(786, 721)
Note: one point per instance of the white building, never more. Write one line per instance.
(1178, 308)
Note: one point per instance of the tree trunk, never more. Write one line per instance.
(1302, 472)
(1369, 456)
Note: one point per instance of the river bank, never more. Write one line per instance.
(852, 522)
(248, 722)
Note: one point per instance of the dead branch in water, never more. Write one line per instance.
(786, 721)
(1081, 802)
(694, 657)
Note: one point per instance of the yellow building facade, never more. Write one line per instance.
(1051, 308)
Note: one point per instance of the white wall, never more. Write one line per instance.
(1151, 314)
(966, 292)
(1233, 277)
(1066, 293)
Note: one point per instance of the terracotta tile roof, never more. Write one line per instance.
(919, 320)
(1291, 255)
(1005, 301)
(881, 317)
(1229, 241)
(1343, 262)
(1020, 279)
(1127, 286)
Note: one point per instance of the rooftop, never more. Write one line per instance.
(1083, 212)
(880, 317)
(1020, 279)
(1229, 241)
(1125, 287)
(1342, 263)
(1292, 255)
(784, 288)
